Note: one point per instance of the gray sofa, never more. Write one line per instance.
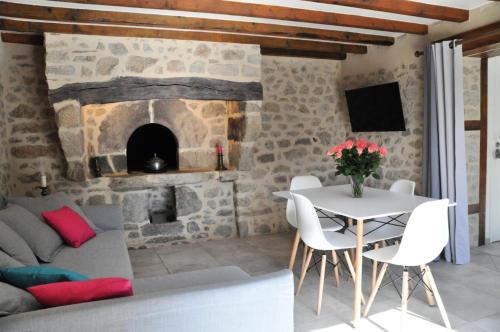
(219, 299)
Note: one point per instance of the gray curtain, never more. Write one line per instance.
(444, 163)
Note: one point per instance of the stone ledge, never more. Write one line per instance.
(131, 182)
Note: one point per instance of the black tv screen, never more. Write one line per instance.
(376, 108)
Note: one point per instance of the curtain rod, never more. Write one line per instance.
(452, 44)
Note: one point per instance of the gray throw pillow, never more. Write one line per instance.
(3, 202)
(14, 245)
(7, 261)
(42, 239)
(37, 205)
(14, 300)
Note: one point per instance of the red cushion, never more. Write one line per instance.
(70, 225)
(72, 292)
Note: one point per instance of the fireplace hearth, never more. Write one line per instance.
(152, 141)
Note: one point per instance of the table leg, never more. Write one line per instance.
(359, 273)
(351, 251)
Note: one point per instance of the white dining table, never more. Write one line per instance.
(375, 203)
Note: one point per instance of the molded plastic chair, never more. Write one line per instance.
(298, 183)
(424, 238)
(316, 239)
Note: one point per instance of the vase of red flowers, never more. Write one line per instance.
(358, 160)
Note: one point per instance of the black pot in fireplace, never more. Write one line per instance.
(152, 148)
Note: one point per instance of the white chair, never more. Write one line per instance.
(316, 239)
(424, 238)
(384, 229)
(298, 183)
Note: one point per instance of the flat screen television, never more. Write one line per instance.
(376, 108)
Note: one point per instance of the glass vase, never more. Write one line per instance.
(357, 186)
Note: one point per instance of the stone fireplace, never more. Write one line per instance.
(177, 103)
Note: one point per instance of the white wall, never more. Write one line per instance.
(493, 173)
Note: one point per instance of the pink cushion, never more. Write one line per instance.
(72, 292)
(70, 225)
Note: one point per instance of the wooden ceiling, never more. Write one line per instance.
(329, 35)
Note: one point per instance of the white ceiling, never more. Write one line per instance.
(464, 4)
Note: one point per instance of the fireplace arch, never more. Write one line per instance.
(148, 140)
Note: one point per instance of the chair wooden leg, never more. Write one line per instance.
(404, 299)
(353, 273)
(321, 283)
(375, 290)
(304, 256)
(336, 268)
(374, 269)
(304, 270)
(437, 297)
(293, 254)
(428, 293)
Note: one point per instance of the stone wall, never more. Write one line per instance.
(472, 105)
(4, 162)
(81, 58)
(30, 128)
(404, 160)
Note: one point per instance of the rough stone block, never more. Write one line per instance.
(187, 201)
(72, 142)
(106, 65)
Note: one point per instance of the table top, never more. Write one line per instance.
(375, 203)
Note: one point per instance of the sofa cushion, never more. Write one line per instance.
(37, 205)
(69, 225)
(73, 292)
(7, 261)
(105, 255)
(27, 276)
(14, 245)
(41, 238)
(15, 300)
(189, 279)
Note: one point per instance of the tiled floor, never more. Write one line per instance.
(471, 293)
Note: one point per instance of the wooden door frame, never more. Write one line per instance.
(482, 126)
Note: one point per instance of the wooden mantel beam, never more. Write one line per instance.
(269, 12)
(175, 22)
(404, 7)
(265, 42)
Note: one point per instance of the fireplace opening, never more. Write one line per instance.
(152, 148)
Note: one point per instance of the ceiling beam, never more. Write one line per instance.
(269, 12)
(480, 42)
(404, 7)
(302, 54)
(22, 38)
(266, 42)
(175, 22)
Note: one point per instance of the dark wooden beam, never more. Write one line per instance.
(267, 42)
(175, 22)
(481, 42)
(22, 38)
(483, 151)
(268, 11)
(302, 54)
(473, 208)
(404, 7)
(139, 88)
(471, 125)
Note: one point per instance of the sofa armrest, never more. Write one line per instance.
(263, 303)
(106, 217)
